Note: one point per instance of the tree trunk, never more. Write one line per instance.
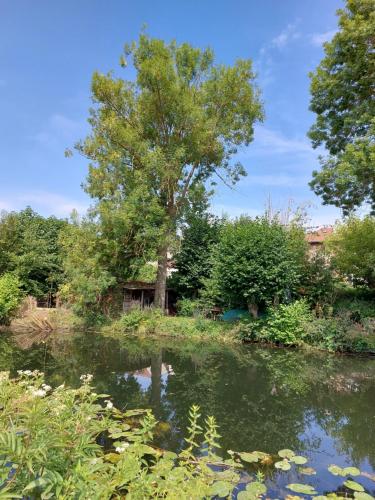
(253, 309)
(161, 277)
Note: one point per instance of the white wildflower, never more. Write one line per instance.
(60, 387)
(109, 404)
(86, 379)
(122, 448)
(39, 393)
(46, 387)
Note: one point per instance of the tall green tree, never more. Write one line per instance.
(29, 248)
(342, 96)
(157, 140)
(256, 263)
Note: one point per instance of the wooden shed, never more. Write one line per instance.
(140, 294)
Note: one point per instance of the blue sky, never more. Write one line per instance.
(50, 48)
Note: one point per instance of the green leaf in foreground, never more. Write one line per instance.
(361, 495)
(253, 491)
(305, 489)
(353, 485)
(221, 489)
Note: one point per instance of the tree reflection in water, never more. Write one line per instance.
(263, 398)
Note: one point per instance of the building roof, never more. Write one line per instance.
(139, 285)
(319, 235)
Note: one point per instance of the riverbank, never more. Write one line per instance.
(292, 325)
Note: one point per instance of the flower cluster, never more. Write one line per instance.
(109, 404)
(86, 379)
(122, 448)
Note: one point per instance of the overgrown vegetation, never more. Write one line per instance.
(10, 296)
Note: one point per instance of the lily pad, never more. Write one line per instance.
(249, 457)
(256, 488)
(282, 465)
(245, 495)
(299, 460)
(221, 489)
(361, 495)
(336, 470)
(353, 485)
(308, 471)
(351, 471)
(286, 453)
(306, 489)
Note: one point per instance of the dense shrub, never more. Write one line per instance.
(340, 334)
(353, 249)
(256, 262)
(10, 296)
(286, 323)
(189, 307)
(152, 321)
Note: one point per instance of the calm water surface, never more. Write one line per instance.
(321, 406)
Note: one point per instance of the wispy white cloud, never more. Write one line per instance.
(44, 202)
(318, 39)
(271, 141)
(265, 62)
(276, 180)
(60, 128)
(287, 35)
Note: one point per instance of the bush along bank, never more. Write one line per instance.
(294, 324)
(73, 443)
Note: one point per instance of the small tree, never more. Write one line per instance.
(193, 261)
(10, 296)
(253, 263)
(353, 249)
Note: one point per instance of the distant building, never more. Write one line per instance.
(316, 237)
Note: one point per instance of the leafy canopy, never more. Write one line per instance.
(255, 262)
(156, 141)
(10, 296)
(353, 249)
(342, 96)
(192, 261)
(29, 248)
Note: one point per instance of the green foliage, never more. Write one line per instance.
(286, 323)
(193, 260)
(189, 307)
(152, 321)
(10, 296)
(253, 263)
(318, 281)
(29, 248)
(341, 334)
(87, 265)
(49, 447)
(342, 90)
(353, 249)
(156, 141)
